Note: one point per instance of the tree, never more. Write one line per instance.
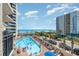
(59, 33)
(72, 42)
(64, 38)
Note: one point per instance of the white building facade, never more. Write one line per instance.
(68, 23)
(7, 27)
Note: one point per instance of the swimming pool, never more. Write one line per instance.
(31, 46)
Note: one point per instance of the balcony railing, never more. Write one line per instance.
(13, 5)
(10, 24)
(12, 16)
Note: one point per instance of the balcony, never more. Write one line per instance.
(13, 5)
(10, 24)
(11, 28)
(12, 17)
(7, 19)
(7, 9)
(14, 11)
(5, 24)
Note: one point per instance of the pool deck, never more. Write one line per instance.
(43, 50)
(56, 49)
(22, 53)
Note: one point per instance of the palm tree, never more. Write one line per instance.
(63, 37)
(72, 40)
(72, 44)
(64, 40)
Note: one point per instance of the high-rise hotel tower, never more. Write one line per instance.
(7, 27)
(68, 23)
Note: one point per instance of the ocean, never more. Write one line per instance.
(35, 30)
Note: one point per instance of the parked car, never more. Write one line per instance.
(53, 42)
(61, 45)
(76, 51)
(66, 47)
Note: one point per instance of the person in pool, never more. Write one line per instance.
(24, 49)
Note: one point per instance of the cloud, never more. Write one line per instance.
(61, 7)
(65, 5)
(31, 13)
(66, 12)
(51, 11)
(76, 9)
(48, 6)
(68, 6)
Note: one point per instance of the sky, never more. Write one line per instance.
(42, 15)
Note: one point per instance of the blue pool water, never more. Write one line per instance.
(48, 53)
(31, 46)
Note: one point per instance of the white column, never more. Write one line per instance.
(16, 20)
